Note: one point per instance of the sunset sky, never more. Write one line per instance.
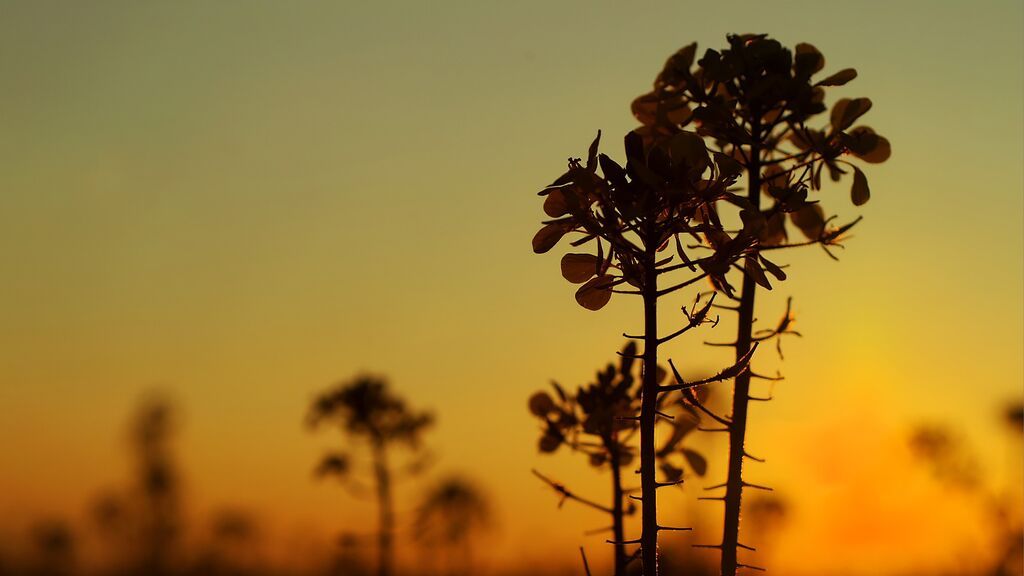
(241, 203)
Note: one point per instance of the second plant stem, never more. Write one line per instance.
(648, 413)
(741, 393)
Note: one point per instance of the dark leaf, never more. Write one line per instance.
(807, 60)
(697, 462)
(689, 148)
(558, 390)
(595, 294)
(592, 152)
(672, 474)
(548, 236)
(612, 171)
(634, 144)
(773, 269)
(335, 464)
(846, 111)
(578, 268)
(727, 166)
(645, 109)
(753, 269)
(555, 204)
(659, 374)
(549, 443)
(859, 193)
(774, 231)
(541, 404)
(880, 153)
(810, 220)
(682, 59)
(839, 78)
(753, 220)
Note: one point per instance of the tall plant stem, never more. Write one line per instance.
(385, 506)
(741, 390)
(618, 531)
(648, 413)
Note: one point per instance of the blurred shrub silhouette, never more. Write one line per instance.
(451, 515)
(54, 545)
(159, 486)
(367, 411)
(952, 463)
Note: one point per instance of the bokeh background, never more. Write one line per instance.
(238, 204)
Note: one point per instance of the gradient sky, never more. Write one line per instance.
(244, 202)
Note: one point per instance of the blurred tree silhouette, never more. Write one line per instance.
(632, 216)
(953, 464)
(366, 410)
(54, 544)
(755, 102)
(599, 422)
(231, 542)
(158, 478)
(450, 514)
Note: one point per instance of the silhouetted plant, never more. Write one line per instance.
(231, 545)
(755, 102)
(54, 544)
(109, 515)
(632, 216)
(946, 455)
(954, 465)
(599, 422)
(448, 517)
(366, 410)
(152, 432)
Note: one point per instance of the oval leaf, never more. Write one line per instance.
(549, 443)
(596, 293)
(555, 204)
(880, 153)
(689, 148)
(578, 268)
(541, 404)
(859, 193)
(839, 78)
(548, 236)
(846, 111)
(727, 166)
(696, 461)
(772, 268)
(810, 220)
(753, 269)
(807, 60)
(774, 231)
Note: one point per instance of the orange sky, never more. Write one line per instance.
(244, 206)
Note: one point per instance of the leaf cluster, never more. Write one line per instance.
(630, 213)
(757, 101)
(599, 419)
(365, 407)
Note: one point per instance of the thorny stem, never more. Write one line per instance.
(648, 413)
(618, 531)
(741, 390)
